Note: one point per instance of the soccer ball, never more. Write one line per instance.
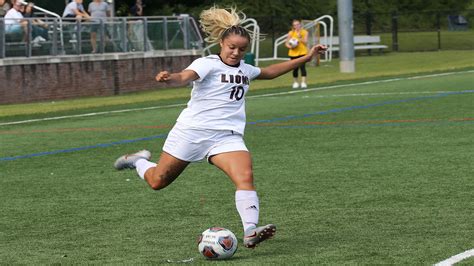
(217, 243)
(293, 42)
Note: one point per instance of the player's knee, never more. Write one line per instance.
(246, 177)
(156, 185)
(160, 181)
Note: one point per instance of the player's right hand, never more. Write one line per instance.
(163, 76)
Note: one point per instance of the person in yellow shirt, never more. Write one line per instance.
(295, 51)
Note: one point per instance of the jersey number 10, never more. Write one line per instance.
(237, 93)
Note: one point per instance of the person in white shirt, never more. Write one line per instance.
(75, 9)
(212, 125)
(14, 20)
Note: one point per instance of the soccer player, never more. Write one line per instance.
(301, 35)
(212, 126)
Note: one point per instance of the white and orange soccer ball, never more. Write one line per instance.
(217, 243)
(293, 42)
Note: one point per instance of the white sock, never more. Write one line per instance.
(247, 205)
(142, 166)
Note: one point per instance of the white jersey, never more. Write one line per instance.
(217, 98)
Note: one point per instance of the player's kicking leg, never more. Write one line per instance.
(159, 175)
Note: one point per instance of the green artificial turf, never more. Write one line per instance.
(362, 174)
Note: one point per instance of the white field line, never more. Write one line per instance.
(92, 114)
(362, 83)
(378, 94)
(456, 258)
(263, 95)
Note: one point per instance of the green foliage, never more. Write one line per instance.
(409, 5)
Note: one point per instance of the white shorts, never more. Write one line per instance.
(193, 144)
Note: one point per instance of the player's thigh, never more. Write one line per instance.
(236, 164)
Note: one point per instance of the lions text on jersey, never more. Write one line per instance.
(218, 95)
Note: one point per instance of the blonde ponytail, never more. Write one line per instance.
(215, 21)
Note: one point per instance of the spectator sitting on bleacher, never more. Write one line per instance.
(75, 9)
(14, 21)
(39, 27)
(4, 7)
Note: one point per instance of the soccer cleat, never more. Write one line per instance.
(259, 234)
(303, 85)
(296, 85)
(129, 160)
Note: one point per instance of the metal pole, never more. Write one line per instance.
(368, 27)
(165, 33)
(102, 37)
(145, 35)
(346, 36)
(185, 32)
(318, 36)
(54, 49)
(2, 38)
(28, 42)
(272, 27)
(112, 8)
(438, 26)
(123, 34)
(79, 36)
(395, 31)
(368, 23)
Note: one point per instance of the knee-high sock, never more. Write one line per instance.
(142, 166)
(247, 205)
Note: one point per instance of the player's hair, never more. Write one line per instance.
(218, 23)
(293, 21)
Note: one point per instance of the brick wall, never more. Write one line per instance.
(44, 81)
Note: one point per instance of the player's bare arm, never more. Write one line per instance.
(177, 79)
(279, 69)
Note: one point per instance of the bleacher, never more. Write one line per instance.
(361, 42)
(457, 23)
(116, 35)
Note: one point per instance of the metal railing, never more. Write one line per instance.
(60, 36)
(312, 39)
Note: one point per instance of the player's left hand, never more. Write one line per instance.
(318, 49)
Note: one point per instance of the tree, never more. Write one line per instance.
(377, 6)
